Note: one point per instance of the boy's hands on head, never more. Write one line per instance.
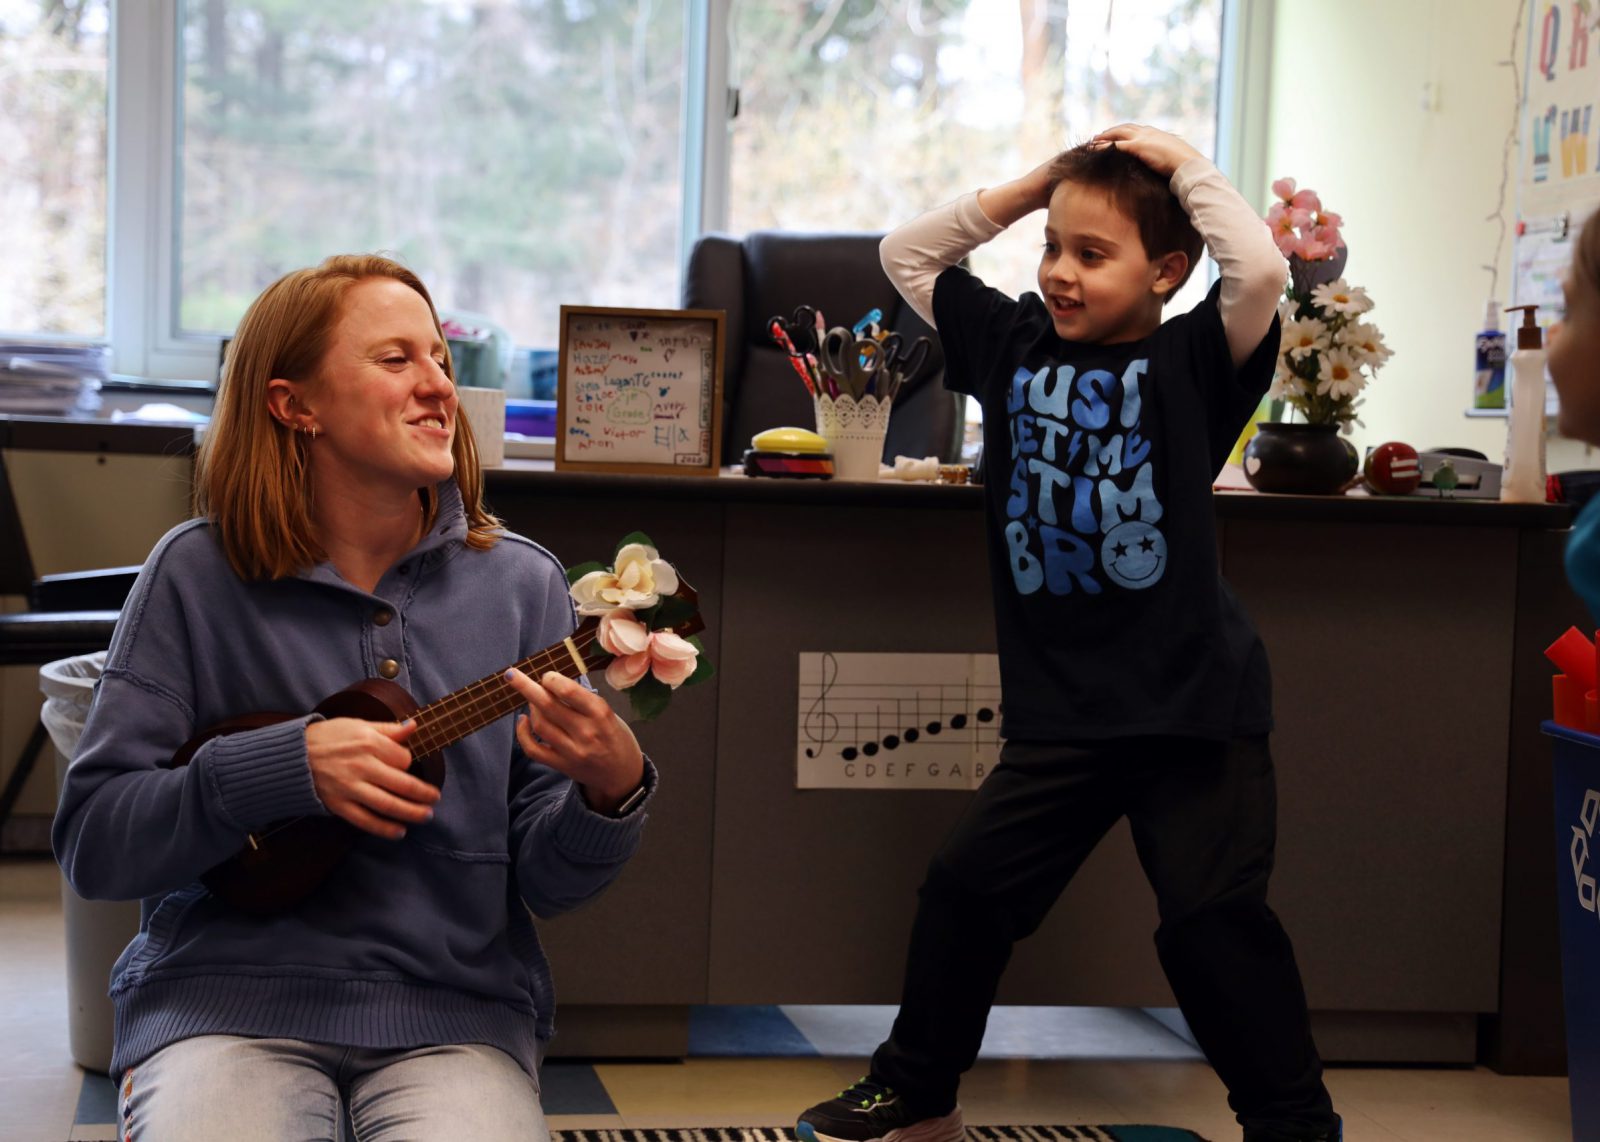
(1158, 150)
(1014, 200)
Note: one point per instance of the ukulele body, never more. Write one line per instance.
(286, 861)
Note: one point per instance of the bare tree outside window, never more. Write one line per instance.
(53, 69)
(521, 154)
(860, 114)
(518, 154)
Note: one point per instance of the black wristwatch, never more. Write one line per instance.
(633, 800)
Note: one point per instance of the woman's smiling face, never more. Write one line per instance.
(384, 405)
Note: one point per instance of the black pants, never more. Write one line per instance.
(1204, 823)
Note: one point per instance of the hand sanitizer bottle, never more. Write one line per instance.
(1489, 384)
(1522, 481)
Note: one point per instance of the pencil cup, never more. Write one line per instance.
(854, 430)
(486, 410)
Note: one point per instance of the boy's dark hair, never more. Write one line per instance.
(1140, 193)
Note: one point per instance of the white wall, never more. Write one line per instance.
(1414, 184)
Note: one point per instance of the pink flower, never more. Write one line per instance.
(622, 673)
(1280, 220)
(621, 634)
(639, 651)
(1284, 188)
(672, 659)
(1314, 248)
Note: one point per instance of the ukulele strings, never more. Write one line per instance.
(457, 715)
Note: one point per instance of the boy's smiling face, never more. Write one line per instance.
(1095, 276)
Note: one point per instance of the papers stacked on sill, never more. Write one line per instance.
(41, 379)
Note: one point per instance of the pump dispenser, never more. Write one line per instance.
(1523, 479)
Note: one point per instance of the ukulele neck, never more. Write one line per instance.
(469, 709)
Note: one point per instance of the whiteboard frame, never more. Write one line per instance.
(716, 318)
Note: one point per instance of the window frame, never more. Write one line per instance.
(142, 305)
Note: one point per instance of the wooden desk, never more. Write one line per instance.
(1413, 857)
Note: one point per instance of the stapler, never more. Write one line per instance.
(1458, 473)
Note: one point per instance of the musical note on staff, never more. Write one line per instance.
(900, 721)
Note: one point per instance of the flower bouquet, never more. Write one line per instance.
(647, 619)
(1327, 350)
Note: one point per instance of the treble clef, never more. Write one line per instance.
(822, 727)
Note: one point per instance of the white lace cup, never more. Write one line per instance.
(854, 430)
(486, 410)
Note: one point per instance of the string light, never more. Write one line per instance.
(1508, 148)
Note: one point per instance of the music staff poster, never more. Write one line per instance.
(897, 721)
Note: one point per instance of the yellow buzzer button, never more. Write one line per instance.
(788, 440)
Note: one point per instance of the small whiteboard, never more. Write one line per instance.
(640, 390)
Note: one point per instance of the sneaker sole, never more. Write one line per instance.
(949, 1128)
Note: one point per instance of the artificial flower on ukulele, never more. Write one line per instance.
(647, 619)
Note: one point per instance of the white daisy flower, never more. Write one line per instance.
(1339, 296)
(1365, 343)
(1339, 375)
(1303, 336)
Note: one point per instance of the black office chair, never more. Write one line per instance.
(769, 273)
(69, 614)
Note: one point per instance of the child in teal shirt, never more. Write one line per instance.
(1574, 349)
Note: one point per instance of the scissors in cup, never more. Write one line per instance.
(904, 364)
(857, 362)
(806, 329)
(780, 334)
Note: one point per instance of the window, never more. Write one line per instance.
(857, 116)
(53, 64)
(516, 155)
(524, 153)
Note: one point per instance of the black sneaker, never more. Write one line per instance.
(1334, 1135)
(871, 1112)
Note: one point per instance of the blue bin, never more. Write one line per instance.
(531, 417)
(1577, 804)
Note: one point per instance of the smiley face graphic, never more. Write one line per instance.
(1134, 554)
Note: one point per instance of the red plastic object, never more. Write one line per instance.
(1393, 468)
(1574, 655)
(1568, 699)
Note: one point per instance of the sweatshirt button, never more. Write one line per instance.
(382, 617)
(388, 668)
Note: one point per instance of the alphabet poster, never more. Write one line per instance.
(639, 390)
(897, 721)
(1558, 183)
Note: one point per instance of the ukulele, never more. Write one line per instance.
(284, 863)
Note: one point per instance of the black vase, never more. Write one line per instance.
(1298, 459)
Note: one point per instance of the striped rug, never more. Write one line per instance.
(974, 1134)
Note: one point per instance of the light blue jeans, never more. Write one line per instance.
(284, 1090)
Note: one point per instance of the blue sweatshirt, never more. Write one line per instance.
(420, 941)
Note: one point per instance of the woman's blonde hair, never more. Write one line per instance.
(252, 479)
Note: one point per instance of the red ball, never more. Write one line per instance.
(1393, 469)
